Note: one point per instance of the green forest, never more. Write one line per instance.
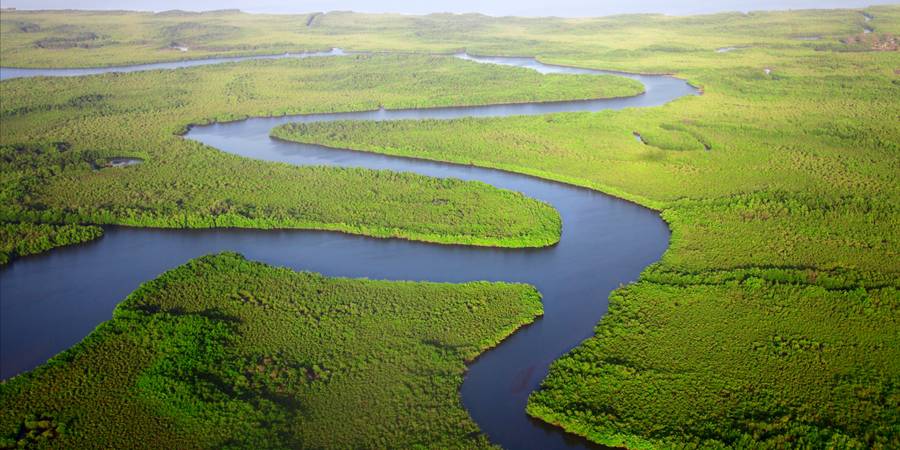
(227, 353)
(21, 239)
(770, 322)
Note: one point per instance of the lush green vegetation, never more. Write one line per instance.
(682, 366)
(87, 39)
(772, 316)
(227, 353)
(20, 239)
(59, 134)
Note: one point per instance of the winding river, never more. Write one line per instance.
(50, 302)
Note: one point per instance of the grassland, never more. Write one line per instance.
(227, 353)
(771, 321)
(59, 134)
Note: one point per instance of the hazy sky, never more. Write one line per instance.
(496, 8)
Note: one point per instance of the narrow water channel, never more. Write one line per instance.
(51, 301)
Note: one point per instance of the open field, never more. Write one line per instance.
(59, 135)
(227, 353)
(772, 319)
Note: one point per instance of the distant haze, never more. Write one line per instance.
(568, 8)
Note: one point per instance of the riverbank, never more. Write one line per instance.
(222, 339)
(197, 187)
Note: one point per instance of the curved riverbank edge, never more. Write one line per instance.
(612, 441)
(639, 200)
(17, 239)
(542, 176)
(182, 132)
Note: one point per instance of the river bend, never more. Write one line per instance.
(51, 301)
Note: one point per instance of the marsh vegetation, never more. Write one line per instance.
(56, 131)
(772, 319)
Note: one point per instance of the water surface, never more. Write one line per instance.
(15, 72)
